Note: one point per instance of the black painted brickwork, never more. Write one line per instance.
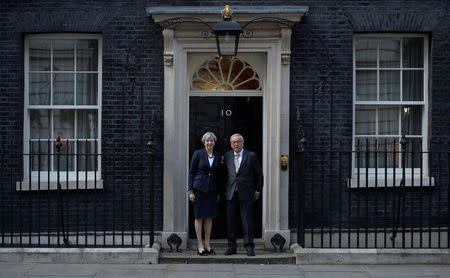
(132, 49)
(323, 38)
(322, 49)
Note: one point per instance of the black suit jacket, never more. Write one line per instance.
(248, 179)
(203, 177)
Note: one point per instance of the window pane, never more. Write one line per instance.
(389, 53)
(413, 85)
(40, 124)
(388, 120)
(40, 55)
(63, 89)
(413, 153)
(87, 55)
(63, 55)
(412, 120)
(87, 88)
(66, 157)
(227, 44)
(365, 120)
(389, 85)
(366, 52)
(39, 157)
(388, 155)
(87, 124)
(236, 69)
(412, 52)
(63, 124)
(366, 85)
(86, 156)
(365, 152)
(39, 88)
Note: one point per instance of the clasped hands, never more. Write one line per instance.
(192, 197)
(255, 196)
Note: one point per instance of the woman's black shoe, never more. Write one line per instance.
(203, 253)
(210, 252)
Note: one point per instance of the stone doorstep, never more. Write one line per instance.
(222, 244)
(190, 255)
(261, 257)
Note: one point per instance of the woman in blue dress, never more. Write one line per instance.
(203, 190)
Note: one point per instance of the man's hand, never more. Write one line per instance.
(218, 198)
(256, 195)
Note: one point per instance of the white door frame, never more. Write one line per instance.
(275, 42)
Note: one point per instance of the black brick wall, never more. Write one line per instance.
(321, 48)
(132, 49)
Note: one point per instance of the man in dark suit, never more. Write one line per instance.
(244, 184)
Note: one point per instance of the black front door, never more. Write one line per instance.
(225, 116)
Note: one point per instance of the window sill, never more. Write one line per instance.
(381, 181)
(44, 185)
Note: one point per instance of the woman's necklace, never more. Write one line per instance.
(211, 156)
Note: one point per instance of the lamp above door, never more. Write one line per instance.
(227, 34)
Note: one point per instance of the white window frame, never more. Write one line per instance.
(378, 177)
(48, 180)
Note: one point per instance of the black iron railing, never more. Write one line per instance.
(66, 193)
(344, 201)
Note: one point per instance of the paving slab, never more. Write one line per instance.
(333, 268)
(202, 274)
(148, 267)
(389, 271)
(300, 275)
(14, 270)
(200, 270)
(42, 270)
(58, 276)
(266, 269)
(332, 274)
(63, 269)
(129, 270)
(131, 273)
(201, 267)
(440, 270)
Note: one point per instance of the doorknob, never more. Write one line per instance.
(284, 162)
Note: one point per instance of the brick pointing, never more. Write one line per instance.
(132, 48)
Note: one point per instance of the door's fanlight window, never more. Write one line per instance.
(225, 74)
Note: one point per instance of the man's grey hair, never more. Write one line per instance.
(237, 135)
(208, 136)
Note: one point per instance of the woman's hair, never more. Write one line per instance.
(207, 136)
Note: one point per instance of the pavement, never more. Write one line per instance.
(38, 270)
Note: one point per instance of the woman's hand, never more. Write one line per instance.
(191, 197)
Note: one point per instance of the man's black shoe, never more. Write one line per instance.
(230, 251)
(250, 252)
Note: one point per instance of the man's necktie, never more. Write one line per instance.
(236, 162)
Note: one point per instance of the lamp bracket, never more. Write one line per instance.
(245, 33)
(282, 21)
(178, 20)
